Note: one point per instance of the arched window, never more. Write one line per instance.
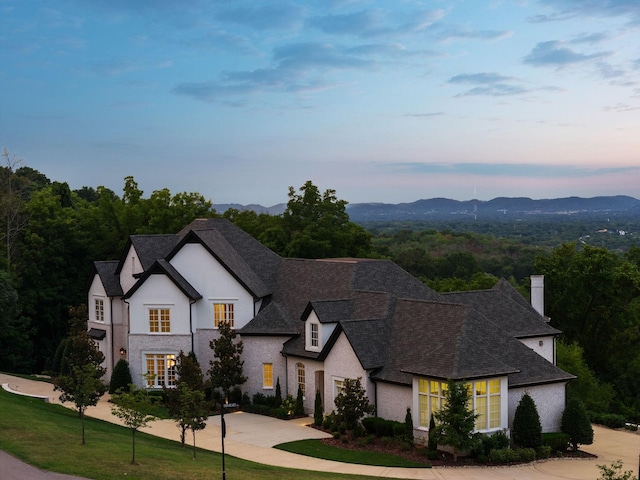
(301, 377)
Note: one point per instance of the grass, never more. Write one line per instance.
(48, 437)
(318, 449)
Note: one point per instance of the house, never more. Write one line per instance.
(314, 323)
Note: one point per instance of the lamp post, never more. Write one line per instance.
(223, 430)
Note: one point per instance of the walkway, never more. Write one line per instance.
(252, 437)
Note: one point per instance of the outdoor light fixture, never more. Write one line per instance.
(123, 352)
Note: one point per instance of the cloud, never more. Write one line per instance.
(448, 33)
(485, 77)
(120, 67)
(299, 68)
(595, 8)
(273, 16)
(489, 83)
(555, 53)
(357, 23)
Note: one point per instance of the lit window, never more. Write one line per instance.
(161, 370)
(159, 320)
(338, 386)
(301, 377)
(267, 375)
(223, 312)
(484, 399)
(315, 338)
(99, 310)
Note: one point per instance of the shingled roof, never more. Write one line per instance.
(149, 248)
(506, 308)
(249, 261)
(106, 271)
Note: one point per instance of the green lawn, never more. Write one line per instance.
(318, 449)
(48, 436)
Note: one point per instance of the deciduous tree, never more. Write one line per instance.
(81, 373)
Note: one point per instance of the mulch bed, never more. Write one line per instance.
(419, 453)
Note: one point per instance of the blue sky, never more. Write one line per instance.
(383, 101)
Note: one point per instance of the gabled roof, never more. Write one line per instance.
(254, 265)
(149, 248)
(505, 307)
(106, 271)
(162, 267)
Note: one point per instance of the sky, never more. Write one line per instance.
(381, 101)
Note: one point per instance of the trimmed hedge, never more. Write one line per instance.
(611, 420)
(558, 441)
(383, 428)
(507, 455)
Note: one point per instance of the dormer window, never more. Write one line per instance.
(313, 341)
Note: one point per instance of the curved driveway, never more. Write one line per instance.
(252, 437)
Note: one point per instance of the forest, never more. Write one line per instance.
(50, 236)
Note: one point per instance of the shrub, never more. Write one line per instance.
(575, 423)
(611, 420)
(557, 441)
(432, 443)
(507, 455)
(527, 431)
(121, 377)
(543, 452)
(407, 434)
(496, 441)
(383, 428)
(298, 409)
(317, 410)
(352, 403)
(278, 398)
(614, 472)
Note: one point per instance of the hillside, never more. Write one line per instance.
(500, 208)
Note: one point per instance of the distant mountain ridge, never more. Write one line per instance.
(504, 208)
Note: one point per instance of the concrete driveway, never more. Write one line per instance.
(252, 437)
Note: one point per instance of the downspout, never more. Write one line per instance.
(191, 303)
(128, 327)
(375, 396)
(113, 356)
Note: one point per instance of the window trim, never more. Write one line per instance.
(492, 420)
(301, 378)
(229, 311)
(99, 312)
(169, 375)
(163, 326)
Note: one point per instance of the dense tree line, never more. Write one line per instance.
(53, 234)
(50, 235)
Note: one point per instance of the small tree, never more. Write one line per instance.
(318, 415)
(408, 428)
(432, 444)
(81, 374)
(191, 380)
(614, 472)
(352, 403)
(131, 407)
(226, 368)
(121, 377)
(278, 399)
(527, 430)
(298, 410)
(576, 424)
(455, 421)
(193, 411)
